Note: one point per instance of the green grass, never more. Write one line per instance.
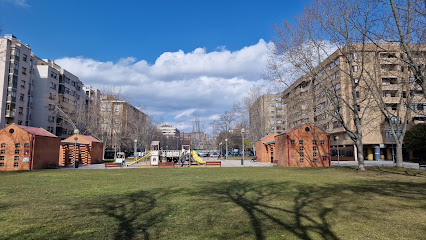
(214, 203)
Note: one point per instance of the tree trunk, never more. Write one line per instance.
(360, 154)
(399, 158)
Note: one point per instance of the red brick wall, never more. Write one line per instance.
(291, 153)
(263, 152)
(46, 150)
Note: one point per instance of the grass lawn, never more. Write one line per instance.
(214, 203)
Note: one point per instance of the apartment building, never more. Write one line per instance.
(16, 76)
(120, 122)
(378, 73)
(58, 97)
(267, 115)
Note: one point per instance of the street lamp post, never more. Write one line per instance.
(226, 153)
(76, 132)
(220, 148)
(242, 134)
(135, 148)
(336, 138)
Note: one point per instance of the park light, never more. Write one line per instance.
(135, 149)
(226, 153)
(76, 132)
(242, 134)
(336, 138)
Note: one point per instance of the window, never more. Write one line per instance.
(314, 142)
(314, 154)
(315, 160)
(16, 151)
(301, 148)
(302, 154)
(24, 71)
(53, 85)
(15, 164)
(22, 83)
(51, 118)
(54, 75)
(300, 141)
(1, 164)
(322, 142)
(292, 142)
(24, 57)
(17, 145)
(302, 160)
(355, 68)
(2, 152)
(3, 145)
(26, 145)
(21, 110)
(314, 148)
(2, 157)
(19, 122)
(16, 158)
(21, 97)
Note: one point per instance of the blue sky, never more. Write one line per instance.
(155, 41)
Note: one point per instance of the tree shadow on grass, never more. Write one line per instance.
(399, 171)
(136, 214)
(302, 211)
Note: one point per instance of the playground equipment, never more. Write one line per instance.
(121, 158)
(197, 158)
(140, 159)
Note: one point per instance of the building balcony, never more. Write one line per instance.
(10, 113)
(11, 99)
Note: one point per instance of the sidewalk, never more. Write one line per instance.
(381, 163)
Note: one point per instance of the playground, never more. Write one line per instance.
(214, 203)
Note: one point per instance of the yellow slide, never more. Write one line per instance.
(140, 159)
(197, 158)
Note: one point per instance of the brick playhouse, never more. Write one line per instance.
(26, 148)
(301, 146)
(89, 150)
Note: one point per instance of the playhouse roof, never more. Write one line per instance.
(36, 131)
(89, 138)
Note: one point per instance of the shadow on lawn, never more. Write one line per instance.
(399, 171)
(301, 210)
(136, 214)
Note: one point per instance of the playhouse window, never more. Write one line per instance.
(1, 157)
(302, 160)
(1, 164)
(293, 142)
(301, 148)
(315, 154)
(315, 160)
(15, 164)
(3, 145)
(314, 148)
(314, 141)
(26, 145)
(17, 145)
(2, 151)
(302, 154)
(16, 158)
(16, 151)
(322, 142)
(300, 141)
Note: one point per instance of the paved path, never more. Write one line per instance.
(249, 163)
(380, 163)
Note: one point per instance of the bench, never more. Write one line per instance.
(422, 165)
(113, 164)
(216, 163)
(166, 164)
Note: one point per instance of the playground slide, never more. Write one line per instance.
(197, 158)
(140, 159)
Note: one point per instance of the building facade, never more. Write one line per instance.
(59, 98)
(16, 76)
(382, 82)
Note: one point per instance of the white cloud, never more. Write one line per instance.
(21, 3)
(179, 86)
